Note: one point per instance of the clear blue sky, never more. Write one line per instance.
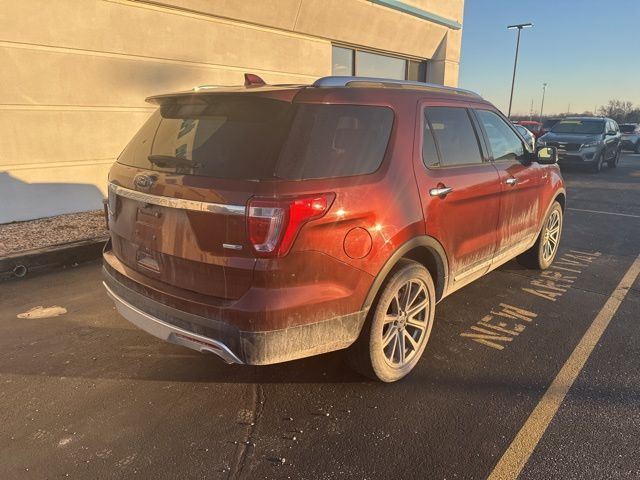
(588, 51)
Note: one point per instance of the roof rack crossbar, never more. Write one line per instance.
(346, 81)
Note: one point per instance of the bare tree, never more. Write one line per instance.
(617, 109)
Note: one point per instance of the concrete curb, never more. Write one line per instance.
(46, 259)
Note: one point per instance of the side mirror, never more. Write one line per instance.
(547, 155)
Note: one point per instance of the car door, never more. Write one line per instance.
(521, 185)
(612, 138)
(460, 190)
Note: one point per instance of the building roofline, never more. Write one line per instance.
(418, 12)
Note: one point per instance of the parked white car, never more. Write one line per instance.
(528, 136)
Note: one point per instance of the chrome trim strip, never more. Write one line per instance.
(169, 333)
(232, 246)
(505, 254)
(472, 270)
(179, 203)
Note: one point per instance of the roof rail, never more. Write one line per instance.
(343, 81)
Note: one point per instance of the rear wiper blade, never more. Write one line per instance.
(169, 161)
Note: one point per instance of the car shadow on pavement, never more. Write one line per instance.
(73, 350)
(80, 351)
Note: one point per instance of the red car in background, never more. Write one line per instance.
(533, 127)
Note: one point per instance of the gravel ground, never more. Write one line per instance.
(44, 232)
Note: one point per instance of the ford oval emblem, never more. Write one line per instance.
(143, 182)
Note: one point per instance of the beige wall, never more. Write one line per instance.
(76, 72)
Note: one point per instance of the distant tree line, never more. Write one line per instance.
(620, 111)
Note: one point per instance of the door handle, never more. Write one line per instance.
(511, 181)
(440, 191)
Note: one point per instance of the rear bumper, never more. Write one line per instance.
(223, 338)
(170, 333)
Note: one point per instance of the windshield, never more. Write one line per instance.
(248, 138)
(627, 128)
(579, 126)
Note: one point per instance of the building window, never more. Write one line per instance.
(374, 65)
(416, 71)
(362, 63)
(342, 61)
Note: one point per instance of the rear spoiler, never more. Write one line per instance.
(252, 83)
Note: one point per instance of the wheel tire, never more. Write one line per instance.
(597, 165)
(637, 150)
(538, 257)
(613, 163)
(369, 355)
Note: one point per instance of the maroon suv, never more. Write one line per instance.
(269, 223)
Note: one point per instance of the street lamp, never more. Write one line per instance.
(544, 89)
(520, 26)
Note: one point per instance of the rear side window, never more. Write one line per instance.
(505, 144)
(454, 134)
(247, 138)
(335, 141)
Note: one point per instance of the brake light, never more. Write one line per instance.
(273, 224)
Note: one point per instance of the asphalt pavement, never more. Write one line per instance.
(524, 373)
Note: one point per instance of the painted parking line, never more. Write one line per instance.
(526, 440)
(603, 213)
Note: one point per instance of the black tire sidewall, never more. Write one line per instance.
(613, 163)
(597, 165)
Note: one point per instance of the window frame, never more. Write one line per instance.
(407, 60)
(426, 121)
(523, 159)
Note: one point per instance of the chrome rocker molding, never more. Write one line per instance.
(179, 203)
(170, 333)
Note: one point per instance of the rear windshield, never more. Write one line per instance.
(259, 139)
(579, 126)
(627, 128)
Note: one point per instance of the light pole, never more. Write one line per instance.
(520, 26)
(544, 88)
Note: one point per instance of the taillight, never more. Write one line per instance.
(273, 224)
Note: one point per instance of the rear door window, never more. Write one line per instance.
(429, 150)
(454, 135)
(505, 143)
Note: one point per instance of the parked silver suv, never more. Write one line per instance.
(630, 136)
(589, 141)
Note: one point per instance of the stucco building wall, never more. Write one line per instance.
(76, 72)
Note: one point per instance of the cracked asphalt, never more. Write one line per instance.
(87, 395)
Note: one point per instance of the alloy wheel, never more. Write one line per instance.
(406, 323)
(551, 236)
